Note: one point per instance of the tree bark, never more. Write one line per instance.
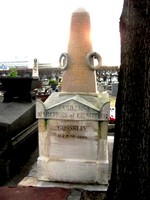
(130, 179)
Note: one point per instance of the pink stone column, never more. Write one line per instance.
(78, 77)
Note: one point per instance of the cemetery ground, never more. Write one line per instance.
(11, 188)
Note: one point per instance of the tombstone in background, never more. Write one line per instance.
(17, 88)
(73, 123)
(114, 89)
(35, 70)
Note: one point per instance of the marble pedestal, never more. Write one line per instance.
(73, 143)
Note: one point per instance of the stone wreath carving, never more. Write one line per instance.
(64, 61)
(89, 60)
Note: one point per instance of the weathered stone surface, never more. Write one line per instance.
(78, 77)
(74, 171)
(32, 180)
(75, 107)
(73, 138)
(73, 124)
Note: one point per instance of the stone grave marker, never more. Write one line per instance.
(73, 123)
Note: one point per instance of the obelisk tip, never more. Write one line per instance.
(80, 10)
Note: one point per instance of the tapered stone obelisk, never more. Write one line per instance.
(73, 123)
(78, 77)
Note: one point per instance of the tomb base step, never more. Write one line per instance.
(73, 171)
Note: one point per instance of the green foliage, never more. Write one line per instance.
(51, 81)
(12, 72)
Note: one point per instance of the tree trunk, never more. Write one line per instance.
(130, 179)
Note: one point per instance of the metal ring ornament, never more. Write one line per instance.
(64, 58)
(93, 55)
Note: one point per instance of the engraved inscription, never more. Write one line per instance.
(72, 128)
(71, 136)
(74, 111)
(72, 107)
(68, 131)
(75, 116)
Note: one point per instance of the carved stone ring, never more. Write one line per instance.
(64, 61)
(90, 58)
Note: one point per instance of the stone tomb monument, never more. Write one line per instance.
(18, 123)
(73, 123)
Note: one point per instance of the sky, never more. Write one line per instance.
(40, 29)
